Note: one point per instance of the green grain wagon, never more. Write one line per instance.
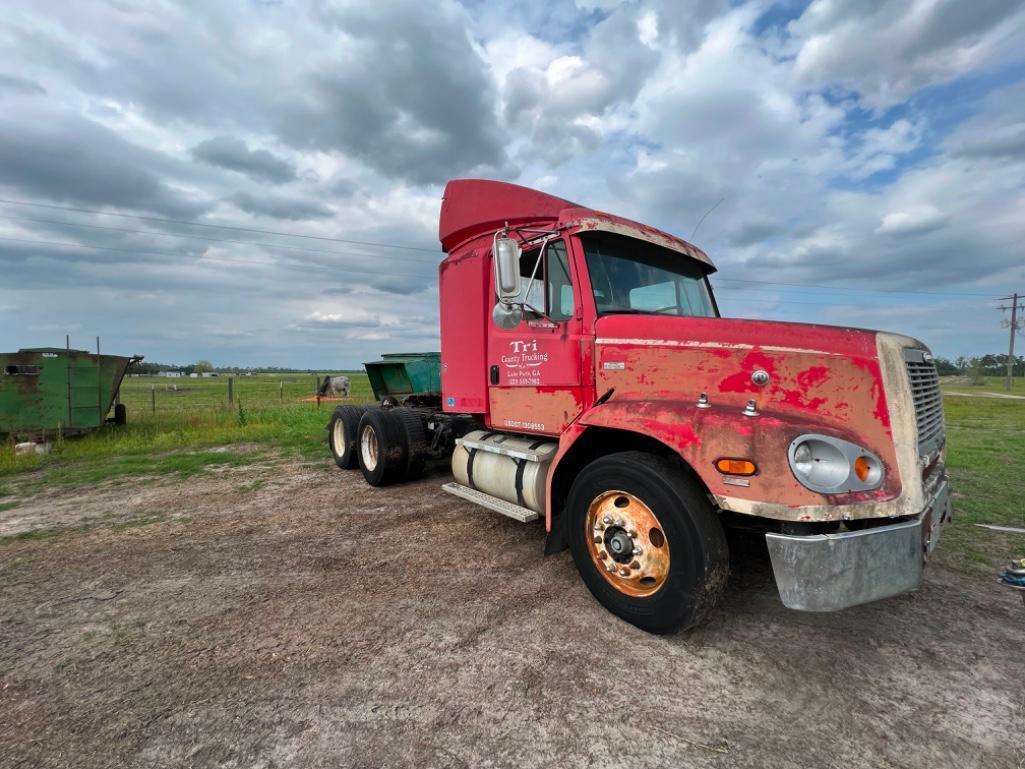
(49, 390)
(403, 374)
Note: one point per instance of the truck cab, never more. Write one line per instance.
(588, 378)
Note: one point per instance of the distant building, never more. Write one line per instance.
(170, 374)
(194, 375)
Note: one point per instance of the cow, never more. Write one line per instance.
(334, 385)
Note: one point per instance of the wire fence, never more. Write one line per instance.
(162, 395)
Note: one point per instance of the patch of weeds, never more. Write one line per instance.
(246, 488)
(146, 519)
(184, 465)
(35, 535)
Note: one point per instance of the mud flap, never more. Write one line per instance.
(556, 542)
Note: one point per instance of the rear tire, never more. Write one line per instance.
(634, 501)
(416, 441)
(341, 435)
(120, 414)
(382, 447)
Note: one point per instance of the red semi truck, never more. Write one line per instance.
(587, 378)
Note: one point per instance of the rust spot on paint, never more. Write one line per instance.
(795, 399)
(813, 376)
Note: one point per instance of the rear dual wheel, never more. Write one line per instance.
(646, 541)
(392, 445)
(341, 435)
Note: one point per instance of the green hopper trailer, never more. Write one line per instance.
(45, 391)
(401, 375)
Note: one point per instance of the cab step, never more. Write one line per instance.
(521, 514)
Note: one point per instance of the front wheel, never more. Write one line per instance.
(646, 541)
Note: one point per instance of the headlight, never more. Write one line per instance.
(833, 466)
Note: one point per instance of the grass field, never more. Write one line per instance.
(986, 461)
(269, 413)
(271, 417)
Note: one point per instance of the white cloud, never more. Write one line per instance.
(889, 49)
(916, 221)
(660, 110)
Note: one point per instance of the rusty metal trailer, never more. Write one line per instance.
(45, 391)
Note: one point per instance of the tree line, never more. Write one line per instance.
(147, 368)
(980, 366)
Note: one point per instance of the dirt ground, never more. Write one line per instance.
(289, 615)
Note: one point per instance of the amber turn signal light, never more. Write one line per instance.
(862, 468)
(730, 466)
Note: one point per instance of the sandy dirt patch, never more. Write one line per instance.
(292, 616)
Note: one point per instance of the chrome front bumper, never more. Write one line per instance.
(827, 572)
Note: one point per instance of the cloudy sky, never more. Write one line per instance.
(857, 163)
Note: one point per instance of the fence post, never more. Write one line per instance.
(153, 397)
(281, 391)
(231, 389)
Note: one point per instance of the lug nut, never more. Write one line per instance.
(611, 567)
(620, 522)
(632, 533)
(597, 539)
(607, 520)
(635, 565)
(638, 551)
(624, 572)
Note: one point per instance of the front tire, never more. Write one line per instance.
(646, 541)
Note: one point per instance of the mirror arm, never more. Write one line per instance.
(533, 275)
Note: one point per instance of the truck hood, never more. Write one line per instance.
(826, 374)
(732, 334)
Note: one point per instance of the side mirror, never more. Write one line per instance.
(507, 316)
(507, 269)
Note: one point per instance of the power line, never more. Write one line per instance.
(270, 246)
(848, 288)
(216, 226)
(336, 271)
(355, 242)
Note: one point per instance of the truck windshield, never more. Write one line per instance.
(631, 276)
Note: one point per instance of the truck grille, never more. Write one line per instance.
(925, 392)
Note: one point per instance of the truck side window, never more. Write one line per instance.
(22, 370)
(552, 290)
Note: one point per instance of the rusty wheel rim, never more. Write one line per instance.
(368, 447)
(627, 543)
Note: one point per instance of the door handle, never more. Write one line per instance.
(494, 375)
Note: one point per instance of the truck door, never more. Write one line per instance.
(534, 370)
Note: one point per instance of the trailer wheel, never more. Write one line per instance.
(341, 435)
(646, 541)
(382, 447)
(416, 442)
(120, 414)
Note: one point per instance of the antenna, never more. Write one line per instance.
(695, 232)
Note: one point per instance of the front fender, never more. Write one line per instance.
(701, 436)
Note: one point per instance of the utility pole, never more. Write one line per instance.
(1013, 326)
